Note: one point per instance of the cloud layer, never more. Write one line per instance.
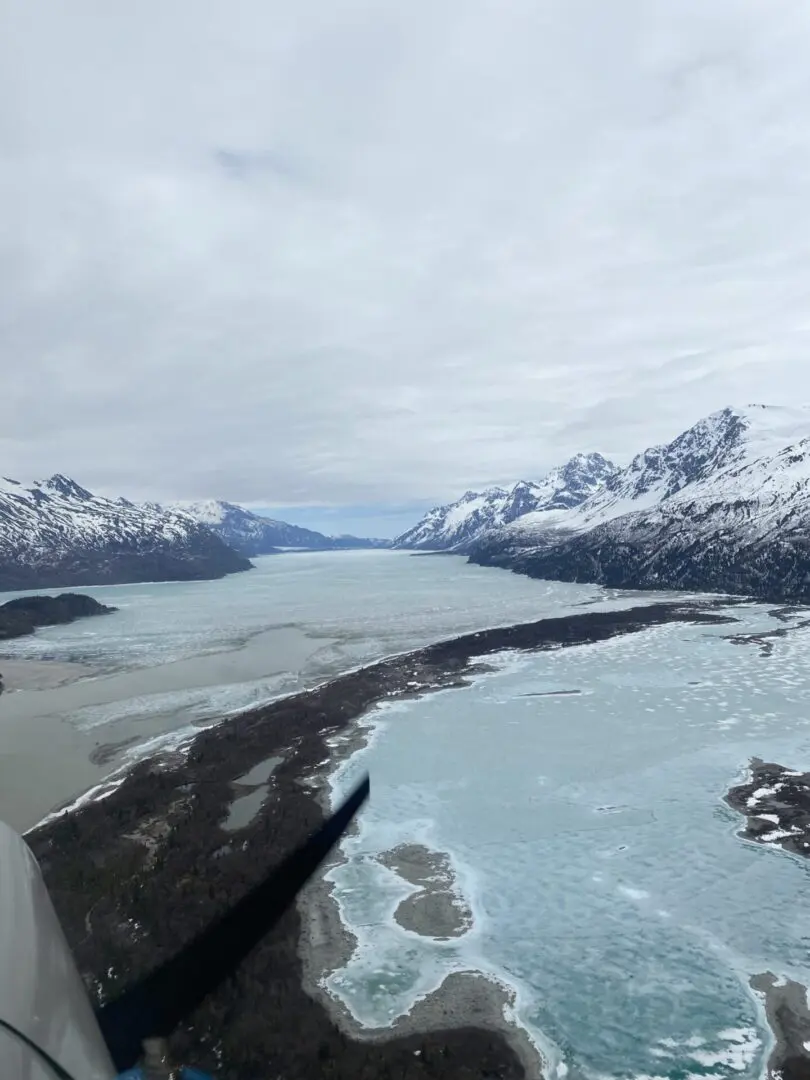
(344, 252)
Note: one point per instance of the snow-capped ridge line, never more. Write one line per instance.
(455, 526)
(725, 507)
(56, 533)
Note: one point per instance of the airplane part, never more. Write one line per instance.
(48, 1029)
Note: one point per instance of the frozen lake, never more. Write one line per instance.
(588, 835)
(577, 792)
(179, 655)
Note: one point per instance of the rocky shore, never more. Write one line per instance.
(789, 1019)
(775, 802)
(136, 874)
(776, 805)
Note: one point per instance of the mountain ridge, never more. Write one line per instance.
(455, 526)
(253, 534)
(55, 533)
(723, 507)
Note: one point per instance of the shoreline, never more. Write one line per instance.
(71, 726)
(326, 943)
(786, 1008)
(436, 909)
(125, 908)
(463, 999)
(775, 804)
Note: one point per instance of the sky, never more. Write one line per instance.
(350, 259)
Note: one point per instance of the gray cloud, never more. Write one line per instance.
(341, 252)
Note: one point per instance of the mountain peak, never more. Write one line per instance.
(460, 523)
(63, 485)
(724, 506)
(717, 453)
(207, 511)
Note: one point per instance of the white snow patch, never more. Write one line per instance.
(93, 794)
(738, 1056)
(777, 834)
(762, 792)
(633, 894)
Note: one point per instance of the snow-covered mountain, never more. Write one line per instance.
(457, 525)
(252, 534)
(724, 507)
(56, 533)
(245, 532)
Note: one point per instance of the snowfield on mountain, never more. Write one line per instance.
(724, 507)
(457, 525)
(56, 533)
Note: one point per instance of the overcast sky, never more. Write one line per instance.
(333, 253)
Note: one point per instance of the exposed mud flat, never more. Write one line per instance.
(436, 909)
(41, 674)
(789, 1020)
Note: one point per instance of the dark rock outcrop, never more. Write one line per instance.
(26, 613)
(776, 806)
(775, 569)
(775, 802)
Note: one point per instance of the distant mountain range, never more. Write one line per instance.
(456, 526)
(56, 533)
(251, 534)
(724, 507)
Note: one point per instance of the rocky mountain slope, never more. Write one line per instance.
(724, 507)
(456, 526)
(251, 534)
(57, 533)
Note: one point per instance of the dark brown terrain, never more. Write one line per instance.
(784, 796)
(26, 613)
(135, 875)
